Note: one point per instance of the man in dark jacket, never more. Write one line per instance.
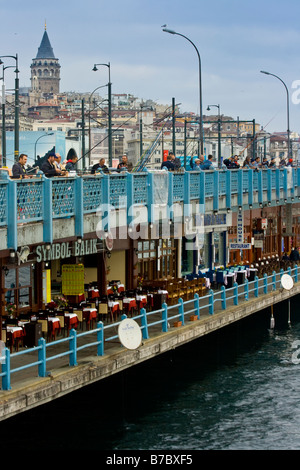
(49, 168)
(168, 164)
(176, 161)
(100, 167)
(18, 169)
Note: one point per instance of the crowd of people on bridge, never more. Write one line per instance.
(52, 164)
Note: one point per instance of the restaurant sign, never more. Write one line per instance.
(66, 250)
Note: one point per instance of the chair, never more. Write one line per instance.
(173, 293)
(44, 324)
(62, 323)
(103, 311)
(79, 314)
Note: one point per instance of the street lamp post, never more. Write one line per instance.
(109, 113)
(288, 106)
(219, 131)
(3, 116)
(17, 105)
(44, 135)
(170, 31)
(90, 97)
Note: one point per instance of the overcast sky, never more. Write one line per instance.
(235, 40)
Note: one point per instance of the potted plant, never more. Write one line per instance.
(11, 310)
(61, 302)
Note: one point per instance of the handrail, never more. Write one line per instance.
(235, 293)
(48, 199)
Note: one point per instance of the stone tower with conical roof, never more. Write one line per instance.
(45, 69)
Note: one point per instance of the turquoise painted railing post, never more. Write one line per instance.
(106, 203)
(250, 187)
(285, 183)
(211, 302)
(202, 187)
(123, 316)
(228, 189)
(42, 357)
(47, 210)
(164, 317)
(260, 186)
(73, 347)
(196, 305)
(216, 191)
(181, 310)
(100, 339)
(277, 176)
(240, 187)
(274, 280)
(235, 293)
(223, 297)
(129, 194)
(265, 283)
(246, 289)
(6, 370)
(12, 216)
(78, 207)
(269, 188)
(296, 273)
(256, 286)
(144, 323)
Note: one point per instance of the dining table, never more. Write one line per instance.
(141, 300)
(15, 334)
(129, 304)
(71, 320)
(93, 293)
(53, 326)
(90, 315)
(114, 308)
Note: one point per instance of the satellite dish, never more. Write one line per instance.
(130, 333)
(287, 281)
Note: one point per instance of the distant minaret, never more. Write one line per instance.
(45, 69)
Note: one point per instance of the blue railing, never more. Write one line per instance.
(180, 312)
(43, 199)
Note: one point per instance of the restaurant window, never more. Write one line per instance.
(156, 259)
(20, 288)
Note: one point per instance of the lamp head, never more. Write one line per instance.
(95, 68)
(208, 108)
(1, 62)
(170, 31)
(263, 71)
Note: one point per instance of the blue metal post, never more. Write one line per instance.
(78, 187)
(211, 302)
(250, 187)
(216, 191)
(277, 176)
(228, 189)
(73, 348)
(236, 294)
(269, 188)
(100, 339)
(164, 317)
(285, 193)
(202, 187)
(260, 187)
(223, 297)
(240, 188)
(256, 286)
(181, 310)
(12, 216)
(246, 289)
(144, 324)
(6, 370)
(129, 184)
(274, 280)
(196, 305)
(265, 283)
(106, 201)
(42, 357)
(296, 273)
(47, 210)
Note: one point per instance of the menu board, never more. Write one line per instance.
(72, 279)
